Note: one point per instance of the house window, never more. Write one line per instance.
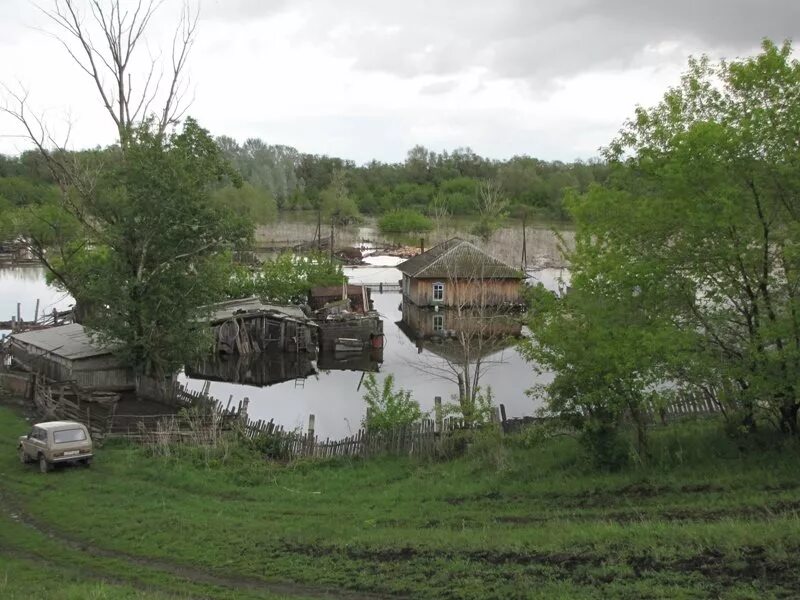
(438, 323)
(438, 292)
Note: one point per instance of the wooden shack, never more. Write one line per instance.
(249, 326)
(68, 353)
(359, 296)
(458, 273)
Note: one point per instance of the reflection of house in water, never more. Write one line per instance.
(489, 322)
(367, 360)
(262, 369)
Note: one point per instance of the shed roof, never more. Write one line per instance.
(222, 311)
(457, 258)
(336, 290)
(68, 341)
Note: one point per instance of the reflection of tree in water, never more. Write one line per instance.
(471, 341)
(475, 299)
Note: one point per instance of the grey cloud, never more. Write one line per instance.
(533, 41)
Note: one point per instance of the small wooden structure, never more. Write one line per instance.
(458, 273)
(249, 325)
(68, 353)
(359, 296)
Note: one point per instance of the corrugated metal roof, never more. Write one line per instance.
(222, 311)
(459, 259)
(68, 341)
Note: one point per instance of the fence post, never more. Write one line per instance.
(36, 312)
(310, 437)
(243, 411)
(437, 412)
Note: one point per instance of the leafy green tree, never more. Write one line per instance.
(254, 204)
(699, 224)
(287, 278)
(404, 221)
(338, 207)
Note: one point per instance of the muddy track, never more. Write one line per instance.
(85, 573)
(183, 571)
(599, 498)
(713, 565)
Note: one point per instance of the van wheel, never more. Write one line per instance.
(86, 462)
(44, 466)
(23, 458)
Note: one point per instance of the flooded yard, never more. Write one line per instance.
(334, 396)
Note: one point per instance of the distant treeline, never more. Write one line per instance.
(283, 178)
(426, 178)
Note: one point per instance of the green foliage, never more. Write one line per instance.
(388, 408)
(404, 221)
(151, 244)
(337, 206)
(287, 278)
(685, 271)
(704, 518)
(256, 205)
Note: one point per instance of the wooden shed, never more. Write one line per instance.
(68, 353)
(249, 325)
(458, 273)
(359, 296)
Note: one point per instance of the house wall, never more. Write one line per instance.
(462, 292)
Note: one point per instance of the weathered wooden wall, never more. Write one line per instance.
(483, 292)
(247, 334)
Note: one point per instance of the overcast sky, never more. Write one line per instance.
(365, 79)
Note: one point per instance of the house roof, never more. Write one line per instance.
(457, 258)
(336, 290)
(68, 341)
(222, 311)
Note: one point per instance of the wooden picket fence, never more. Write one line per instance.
(67, 401)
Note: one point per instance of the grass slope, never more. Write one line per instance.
(706, 519)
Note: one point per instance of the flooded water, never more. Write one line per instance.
(25, 285)
(335, 397)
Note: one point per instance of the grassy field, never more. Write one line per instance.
(706, 520)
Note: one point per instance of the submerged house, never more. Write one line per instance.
(456, 273)
(68, 353)
(249, 326)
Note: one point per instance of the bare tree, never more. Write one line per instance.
(491, 204)
(477, 323)
(105, 43)
(491, 201)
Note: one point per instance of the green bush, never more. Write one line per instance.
(404, 221)
(387, 408)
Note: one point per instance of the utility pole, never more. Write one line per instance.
(524, 248)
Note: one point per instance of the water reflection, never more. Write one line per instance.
(26, 285)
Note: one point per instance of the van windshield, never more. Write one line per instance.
(69, 435)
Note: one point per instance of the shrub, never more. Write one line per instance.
(404, 221)
(387, 408)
